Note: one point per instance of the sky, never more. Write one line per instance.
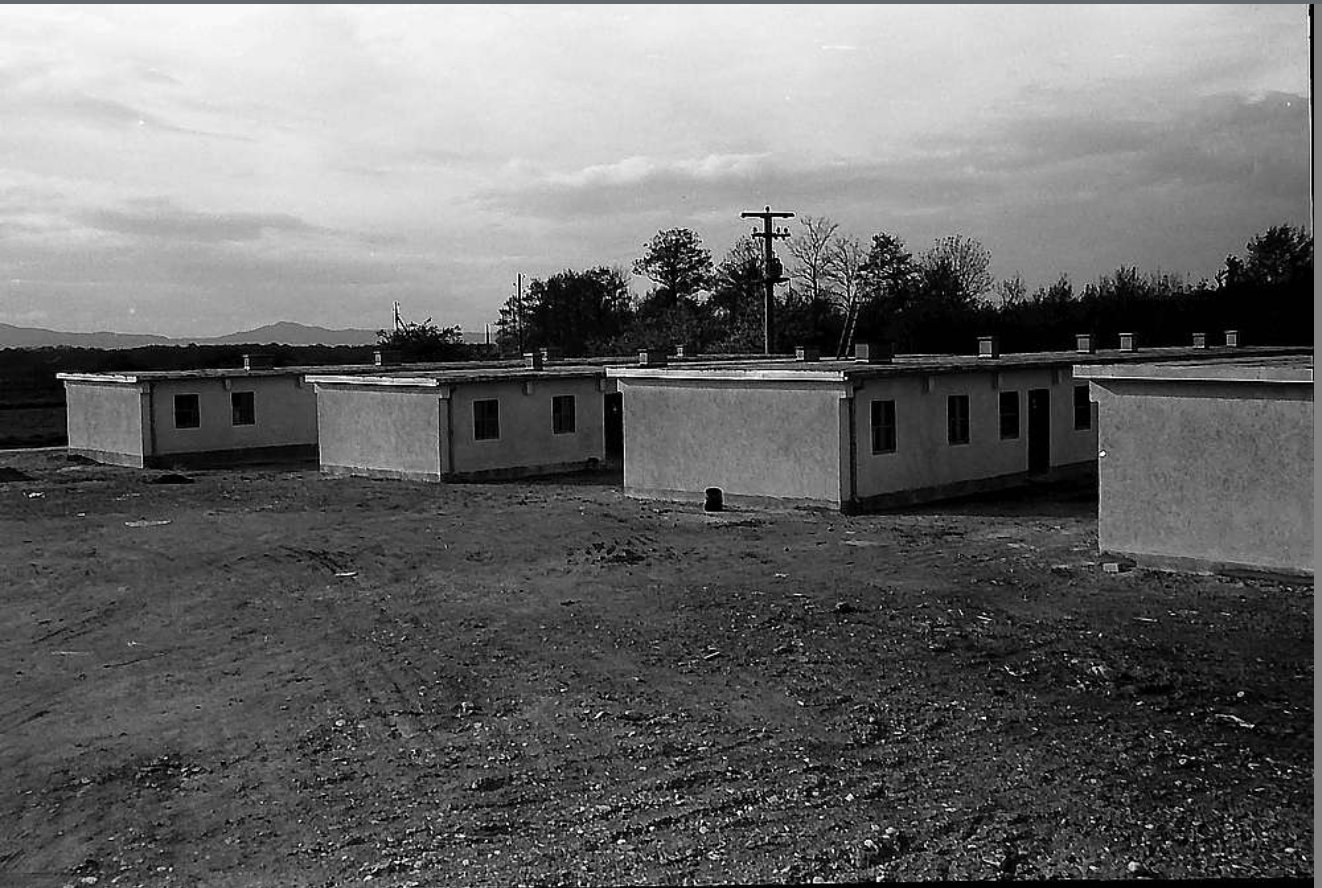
(190, 170)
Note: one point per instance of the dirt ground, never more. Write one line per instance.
(304, 680)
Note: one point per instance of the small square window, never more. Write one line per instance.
(187, 413)
(957, 419)
(1082, 409)
(883, 426)
(486, 420)
(242, 408)
(562, 415)
(1009, 415)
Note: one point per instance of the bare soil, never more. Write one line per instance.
(270, 677)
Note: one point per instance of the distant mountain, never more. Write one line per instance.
(280, 333)
(291, 333)
(35, 337)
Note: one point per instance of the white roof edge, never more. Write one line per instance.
(1163, 373)
(406, 381)
(725, 375)
(116, 378)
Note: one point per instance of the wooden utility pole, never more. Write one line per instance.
(772, 273)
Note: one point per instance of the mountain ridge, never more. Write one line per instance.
(280, 332)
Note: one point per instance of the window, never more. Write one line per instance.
(1009, 415)
(242, 411)
(957, 419)
(883, 426)
(187, 414)
(1082, 408)
(562, 415)
(486, 420)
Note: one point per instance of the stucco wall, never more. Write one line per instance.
(759, 439)
(106, 421)
(285, 414)
(526, 439)
(381, 429)
(1219, 473)
(923, 456)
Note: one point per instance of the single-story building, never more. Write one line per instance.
(875, 432)
(210, 416)
(1207, 465)
(466, 423)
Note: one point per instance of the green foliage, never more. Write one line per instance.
(577, 312)
(423, 341)
(680, 266)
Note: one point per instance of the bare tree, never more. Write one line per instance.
(965, 261)
(844, 272)
(1012, 290)
(811, 251)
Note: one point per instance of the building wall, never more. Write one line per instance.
(526, 443)
(380, 429)
(751, 439)
(924, 460)
(1209, 474)
(106, 421)
(285, 414)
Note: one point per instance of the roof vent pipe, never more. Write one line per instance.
(989, 347)
(1083, 343)
(1128, 342)
(874, 352)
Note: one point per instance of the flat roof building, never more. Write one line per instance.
(1207, 465)
(875, 432)
(198, 417)
(466, 423)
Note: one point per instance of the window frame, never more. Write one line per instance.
(486, 427)
(956, 423)
(1085, 406)
(558, 415)
(196, 412)
(234, 408)
(1004, 415)
(884, 428)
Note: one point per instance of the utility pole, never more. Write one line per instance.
(518, 310)
(771, 269)
(398, 323)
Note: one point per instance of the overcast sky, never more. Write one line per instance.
(194, 171)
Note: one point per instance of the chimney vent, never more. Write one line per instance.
(549, 354)
(874, 352)
(652, 357)
(1083, 343)
(989, 347)
(1200, 340)
(258, 362)
(383, 357)
(1232, 339)
(807, 354)
(532, 360)
(1128, 342)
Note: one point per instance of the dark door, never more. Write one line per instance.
(614, 426)
(1039, 430)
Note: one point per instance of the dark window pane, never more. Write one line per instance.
(1009, 414)
(187, 414)
(242, 408)
(562, 414)
(1082, 408)
(486, 420)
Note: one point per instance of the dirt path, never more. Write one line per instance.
(302, 680)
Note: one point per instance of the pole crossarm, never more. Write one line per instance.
(771, 267)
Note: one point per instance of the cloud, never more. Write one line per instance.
(161, 220)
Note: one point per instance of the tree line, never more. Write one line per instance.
(843, 290)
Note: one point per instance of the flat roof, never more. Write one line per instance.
(344, 370)
(832, 370)
(1282, 368)
(433, 378)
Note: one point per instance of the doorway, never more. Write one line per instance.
(614, 412)
(1039, 430)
